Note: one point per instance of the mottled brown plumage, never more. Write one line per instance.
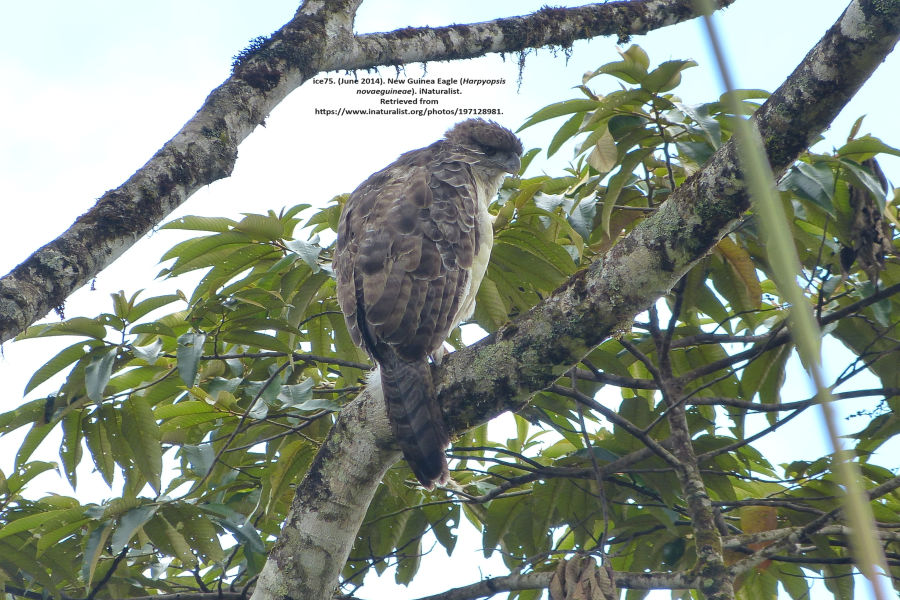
(412, 247)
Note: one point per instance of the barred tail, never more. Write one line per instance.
(415, 416)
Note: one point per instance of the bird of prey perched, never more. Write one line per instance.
(412, 247)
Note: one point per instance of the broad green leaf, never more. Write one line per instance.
(93, 549)
(618, 181)
(666, 76)
(70, 450)
(200, 252)
(155, 328)
(192, 222)
(700, 115)
(565, 133)
(149, 353)
(199, 531)
(178, 545)
(143, 437)
(189, 407)
(25, 473)
(631, 69)
(814, 182)
(42, 522)
(863, 179)
(150, 304)
(261, 227)
(236, 524)
(76, 326)
(604, 156)
(98, 372)
(559, 109)
(201, 458)
(232, 263)
(490, 310)
(37, 434)
(59, 362)
(864, 148)
(743, 265)
(99, 445)
(254, 339)
(527, 158)
(65, 528)
(308, 251)
(294, 395)
(293, 458)
(188, 353)
(128, 525)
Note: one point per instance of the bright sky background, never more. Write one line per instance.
(92, 89)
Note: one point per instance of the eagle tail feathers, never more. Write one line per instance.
(415, 416)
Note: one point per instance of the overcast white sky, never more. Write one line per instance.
(92, 89)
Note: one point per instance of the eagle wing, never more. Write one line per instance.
(405, 249)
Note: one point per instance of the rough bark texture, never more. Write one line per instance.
(502, 372)
(321, 527)
(319, 38)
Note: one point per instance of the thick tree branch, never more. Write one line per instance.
(501, 372)
(319, 38)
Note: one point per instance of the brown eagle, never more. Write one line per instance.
(412, 247)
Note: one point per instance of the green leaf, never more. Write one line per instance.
(99, 446)
(70, 450)
(863, 179)
(527, 158)
(202, 458)
(261, 227)
(98, 372)
(559, 109)
(231, 264)
(864, 148)
(63, 528)
(666, 76)
(490, 310)
(191, 222)
(154, 328)
(308, 251)
(236, 524)
(698, 152)
(812, 182)
(150, 304)
(631, 69)
(41, 522)
(188, 353)
(143, 437)
(149, 353)
(700, 115)
(76, 326)
(254, 339)
(205, 251)
(37, 434)
(295, 395)
(604, 157)
(565, 133)
(128, 525)
(59, 362)
(745, 269)
(618, 181)
(93, 549)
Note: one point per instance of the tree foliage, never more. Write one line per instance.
(202, 409)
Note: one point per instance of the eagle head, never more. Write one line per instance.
(498, 146)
